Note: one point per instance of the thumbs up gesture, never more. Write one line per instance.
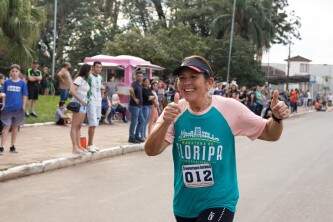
(279, 109)
(171, 112)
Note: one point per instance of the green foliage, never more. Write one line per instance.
(244, 68)
(166, 47)
(45, 108)
(20, 27)
(161, 31)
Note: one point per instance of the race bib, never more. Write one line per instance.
(198, 175)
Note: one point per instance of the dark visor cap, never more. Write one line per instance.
(196, 65)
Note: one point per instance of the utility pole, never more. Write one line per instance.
(231, 38)
(54, 36)
(288, 68)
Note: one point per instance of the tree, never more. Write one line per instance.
(261, 22)
(83, 27)
(244, 68)
(162, 47)
(20, 24)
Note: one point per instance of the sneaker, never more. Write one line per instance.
(92, 149)
(12, 149)
(133, 140)
(34, 114)
(27, 114)
(140, 140)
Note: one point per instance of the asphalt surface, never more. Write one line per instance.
(289, 180)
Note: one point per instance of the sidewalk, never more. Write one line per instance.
(37, 143)
(48, 147)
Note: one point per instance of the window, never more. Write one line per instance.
(304, 68)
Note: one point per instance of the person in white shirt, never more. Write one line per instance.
(310, 101)
(94, 109)
(80, 91)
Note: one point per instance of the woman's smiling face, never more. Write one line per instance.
(193, 85)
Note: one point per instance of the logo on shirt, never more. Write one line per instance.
(14, 89)
(198, 134)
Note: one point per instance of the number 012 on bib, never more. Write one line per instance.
(198, 175)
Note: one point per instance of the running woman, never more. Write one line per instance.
(202, 129)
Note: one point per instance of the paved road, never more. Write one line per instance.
(290, 180)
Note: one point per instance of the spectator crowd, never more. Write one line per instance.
(99, 102)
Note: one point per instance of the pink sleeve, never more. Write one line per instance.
(242, 121)
(170, 133)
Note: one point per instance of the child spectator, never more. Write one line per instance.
(61, 117)
(12, 115)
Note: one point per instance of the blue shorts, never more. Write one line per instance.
(94, 114)
(12, 118)
(64, 93)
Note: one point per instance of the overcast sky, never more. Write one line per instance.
(316, 31)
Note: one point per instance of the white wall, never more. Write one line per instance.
(295, 68)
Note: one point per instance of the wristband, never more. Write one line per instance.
(276, 119)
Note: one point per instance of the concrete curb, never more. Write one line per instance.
(62, 162)
(38, 124)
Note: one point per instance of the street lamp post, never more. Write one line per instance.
(231, 38)
(288, 69)
(54, 36)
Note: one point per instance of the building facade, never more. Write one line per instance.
(318, 78)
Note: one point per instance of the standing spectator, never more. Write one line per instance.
(94, 109)
(12, 115)
(259, 101)
(305, 100)
(265, 99)
(293, 100)
(34, 76)
(233, 93)
(330, 99)
(65, 81)
(155, 107)
(135, 108)
(310, 99)
(219, 90)
(251, 101)
(44, 90)
(170, 94)
(147, 102)
(60, 116)
(243, 94)
(79, 90)
(160, 94)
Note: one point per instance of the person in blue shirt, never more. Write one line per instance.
(12, 115)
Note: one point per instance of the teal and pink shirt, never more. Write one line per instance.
(204, 154)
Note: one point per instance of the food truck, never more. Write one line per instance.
(123, 67)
